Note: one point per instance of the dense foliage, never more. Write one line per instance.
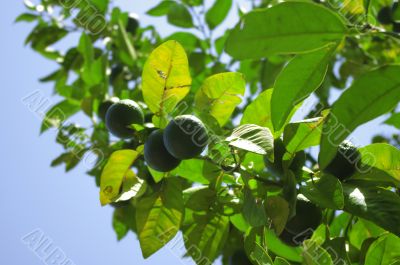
(253, 192)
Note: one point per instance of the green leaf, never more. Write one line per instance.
(132, 187)
(379, 163)
(395, 12)
(200, 198)
(70, 159)
(193, 2)
(178, 15)
(114, 172)
(253, 210)
(280, 261)
(157, 176)
(259, 112)
(85, 47)
(207, 236)
(301, 76)
(101, 5)
(59, 113)
(218, 12)
(239, 222)
(166, 79)
(377, 205)
(94, 72)
(159, 216)
(336, 248)
(291, 29)
(360, 103)
(220, 94)
(326, 192)
(252, 138)
(394, 120)
(384, 251)
(277, 210)
(259, 256)
(314, 254)
(188, 40)
(281, 249)
(197, 170)
(42, 37)
(363, 230)
(161, 9)
(127, 51)
(124, 220)
(301, 135)
(26, 17)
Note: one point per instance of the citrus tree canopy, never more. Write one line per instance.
(210, 132)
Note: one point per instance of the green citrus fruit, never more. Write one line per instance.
(239, 258)
(344, 163)
(301, 227)
(385, 15)
(156, 155)
(121, 115)
(104, 106)
(308, 217)
(185, 137)
(133, 23)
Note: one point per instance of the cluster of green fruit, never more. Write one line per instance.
(185, 136)
(386, 17)
(308, 216)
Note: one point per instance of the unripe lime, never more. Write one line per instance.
(104, 106)
(385, 15)
(308, 217)
(344, 163)
(156, 155)
(121, 115)
(133, 23)
(185, 137)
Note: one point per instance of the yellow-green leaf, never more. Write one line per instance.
(220, 94)
(114, 172)
(259, 112)
(159, 216)
(379, 163)
(371, 95)
(166, 78)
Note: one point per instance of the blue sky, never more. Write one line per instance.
(65, 207)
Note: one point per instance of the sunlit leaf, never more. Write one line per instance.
(252, 138)
(220, 94)
(379, 163)
(114, 172)
(301, 76)
(377, 205)
(159, 216)
(326, 192)
(360, 103)
(218, 12)
(384, 251)
(166, 79)
(207, 235)
(291, 28)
